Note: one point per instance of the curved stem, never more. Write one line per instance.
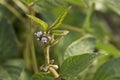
(54, 72)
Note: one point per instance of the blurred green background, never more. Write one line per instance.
(100, 18)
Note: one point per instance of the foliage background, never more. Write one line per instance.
(18, 43)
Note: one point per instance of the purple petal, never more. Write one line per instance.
(43, 39)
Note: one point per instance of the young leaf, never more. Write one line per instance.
(74, 65)
(109, 70)
(83, 45)
(60, 32)
(42, 24)
(59, 20)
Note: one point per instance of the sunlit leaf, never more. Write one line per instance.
(109, 70)
(59, 20)
(85, 44)
(72, 66)
(42, 24)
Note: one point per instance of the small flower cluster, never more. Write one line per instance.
(44, 37)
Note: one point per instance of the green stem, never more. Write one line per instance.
(26, 54)
(34, 60)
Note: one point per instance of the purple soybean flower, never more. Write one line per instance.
(44, 39)
(38, 34)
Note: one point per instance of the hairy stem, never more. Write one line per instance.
(47, 62)
(47, 57)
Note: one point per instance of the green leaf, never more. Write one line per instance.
(15, 62)
(74, 65)
(8, 40)
(42, 76)
(113, 5)
(109, 70)
(108, 48)
(60, 32)
(59, 20)
(42, 24)
(83, 45)
(14, 68)
(80, 3)
(4, 75)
